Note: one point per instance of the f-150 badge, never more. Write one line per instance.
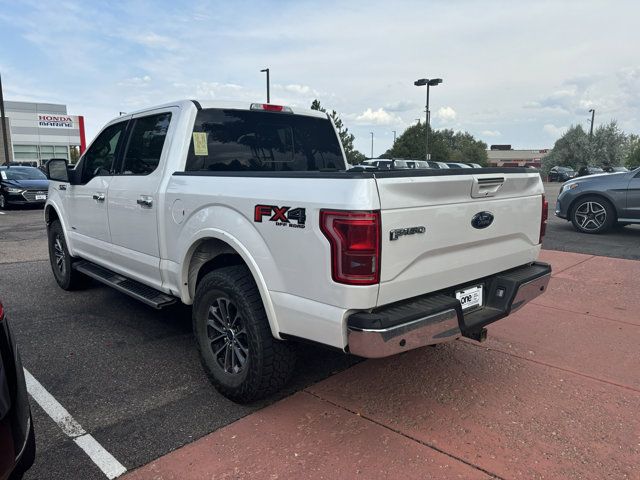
(401, 232)
(281, 215)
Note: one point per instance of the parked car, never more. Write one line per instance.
(417, 164)
(610, 169)
(437, 165)
(17, 439)
(584, 171)
(22, 186)
(247, 212)
(391, 164)
(595, 203)
(561, 174)
(457, 165)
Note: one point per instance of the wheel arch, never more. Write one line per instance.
(216, 249)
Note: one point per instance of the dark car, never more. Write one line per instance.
(595, 203)
(610, 169)
(17, 440)
(561, 174)
(584, 171)
(22, 186)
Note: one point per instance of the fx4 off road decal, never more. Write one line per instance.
(282, 216)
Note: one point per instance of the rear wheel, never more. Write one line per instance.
(593, 214)
(240, 355)
(61, 261)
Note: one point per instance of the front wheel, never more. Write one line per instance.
(237, 350)
(593, 215)
(61, 261)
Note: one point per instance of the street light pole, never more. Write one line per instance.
(371, 144)
(394, 136)
(4, 126)
(268, 95)
(593, 114)
(428, 83)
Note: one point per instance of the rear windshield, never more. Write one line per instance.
(22, 173)
(239, 140)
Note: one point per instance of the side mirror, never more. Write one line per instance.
(56, 170)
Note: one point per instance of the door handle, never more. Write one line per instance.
(145, 201)
(98, 197)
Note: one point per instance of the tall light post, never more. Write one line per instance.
(429, 83)
(394, 137)
(268, 95)
(371, 144)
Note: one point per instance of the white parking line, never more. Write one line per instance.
(106, 462)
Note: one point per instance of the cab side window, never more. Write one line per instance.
(99, 159)
(145, 145)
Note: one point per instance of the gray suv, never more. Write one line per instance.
(596, 202)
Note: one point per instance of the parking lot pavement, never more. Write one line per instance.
(622, 242)
(553, 393)
(562, 370)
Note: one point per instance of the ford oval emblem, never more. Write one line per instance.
(482, 220)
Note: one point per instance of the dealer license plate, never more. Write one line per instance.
(41, 197)
(470, 297)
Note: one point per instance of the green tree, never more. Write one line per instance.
(632, 154)
(608, 145)
(354, 157)
(444, 146)
(570, 150)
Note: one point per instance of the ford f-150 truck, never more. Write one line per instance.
(250, 213)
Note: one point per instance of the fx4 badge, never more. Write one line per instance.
(281, 215)
(401, 232)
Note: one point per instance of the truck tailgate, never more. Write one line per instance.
(450, 251)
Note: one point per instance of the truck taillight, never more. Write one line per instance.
(544, 217)
(355, 245)
(269, 107)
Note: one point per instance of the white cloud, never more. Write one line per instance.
(377, 117)
(299, 89)
(491, 133)
(401, 106)
(135, 81)
(446, 114)
(554, 131)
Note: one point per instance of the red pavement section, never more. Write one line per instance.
(554, 393)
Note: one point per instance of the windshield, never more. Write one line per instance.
(565, 169)
(22, 173)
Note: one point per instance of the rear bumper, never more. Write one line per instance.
(438, 317)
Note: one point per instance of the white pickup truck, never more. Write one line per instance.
(251, 214)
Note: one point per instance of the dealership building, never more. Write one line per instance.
(505, 156)
(37, 132)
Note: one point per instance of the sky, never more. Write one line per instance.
(513, 72)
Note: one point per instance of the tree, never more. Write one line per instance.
(444, 146)
(354, 157)
(570, 150)
(608, 145)
(632, 154)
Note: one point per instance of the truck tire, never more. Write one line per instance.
(240, 355)
(61, 261)
(593, 214)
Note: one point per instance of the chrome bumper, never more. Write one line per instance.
(446, 324)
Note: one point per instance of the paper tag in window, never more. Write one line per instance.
(200, 143)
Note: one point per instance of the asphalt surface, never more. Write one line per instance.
(130, 375)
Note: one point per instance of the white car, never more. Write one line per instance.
(249, 212)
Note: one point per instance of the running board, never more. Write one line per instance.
(134, 289)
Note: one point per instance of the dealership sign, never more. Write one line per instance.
(55, 121)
